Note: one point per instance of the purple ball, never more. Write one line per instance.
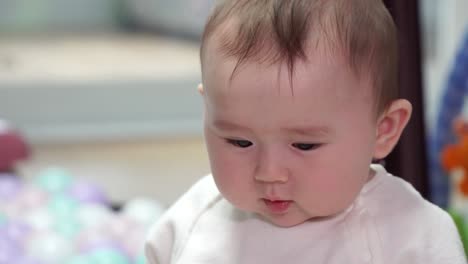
(10, 250)
(16, 231)
(10, 185)
(27, 260)
(86, 192)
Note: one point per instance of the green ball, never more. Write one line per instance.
(79, 260)
(54, 180)
(63, 206)
(141, 259)
(108, 256)
(3, 219)
(68, 227)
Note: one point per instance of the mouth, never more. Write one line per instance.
(277, 206)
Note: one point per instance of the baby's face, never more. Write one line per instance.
(288, 153)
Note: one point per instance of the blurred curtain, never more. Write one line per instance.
(409, 160)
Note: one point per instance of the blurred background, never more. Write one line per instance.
(107, 89)
(104, 91)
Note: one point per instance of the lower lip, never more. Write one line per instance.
(277, 207)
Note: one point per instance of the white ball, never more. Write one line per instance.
(93, 215)
(145, 211)
(50, 248)
(39, 219)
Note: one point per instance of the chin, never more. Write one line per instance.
(285, 220)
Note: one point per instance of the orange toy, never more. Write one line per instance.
(456, 155)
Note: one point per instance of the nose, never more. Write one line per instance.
(270, 168)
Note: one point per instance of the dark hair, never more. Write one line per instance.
(283, 30)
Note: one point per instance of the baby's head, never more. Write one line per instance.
(300, 96)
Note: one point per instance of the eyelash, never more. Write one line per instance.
(306, 146)
(239, 143)
(245, 144)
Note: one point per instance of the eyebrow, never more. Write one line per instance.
(227, 125)
(300, 130)
(309, 130)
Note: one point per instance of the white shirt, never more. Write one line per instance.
(389, 222)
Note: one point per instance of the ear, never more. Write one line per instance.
(200, 89)
(390, 125)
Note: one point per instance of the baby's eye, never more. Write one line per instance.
(305, 146)
(239, 143)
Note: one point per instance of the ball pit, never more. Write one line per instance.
(59, 219)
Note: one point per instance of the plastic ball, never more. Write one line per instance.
(50, 248)
(67, 227)
(13, 211)
(93, 215)
(145, 211)
(91, 239)
(28, 260)
(16, 231)
(39, 219)
(29, 200)
(86, 192)
(120, 226)
(141, 259)
(109, 256)
(134, 240)
(62, 205)
(10, 186)
(31, 197)
(3, 219)
(105, 245)
(79, 260)
(10, 250)
(54, 180)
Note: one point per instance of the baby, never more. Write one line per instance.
(300, 97)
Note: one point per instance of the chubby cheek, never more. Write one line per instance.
(325, 193)
(333, 183)
(230, 172)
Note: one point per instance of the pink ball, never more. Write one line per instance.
(90, 238)
(134, 241)
(120, 226)
(31, 197)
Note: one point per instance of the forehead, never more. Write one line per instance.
(319, 76)
(263, 100)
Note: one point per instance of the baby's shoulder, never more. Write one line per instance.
(390, 195)
(167, 237)
(409, 224)
(194, 202)
(397, 205)
(396, 198)
(199, 196)
(401, 213)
